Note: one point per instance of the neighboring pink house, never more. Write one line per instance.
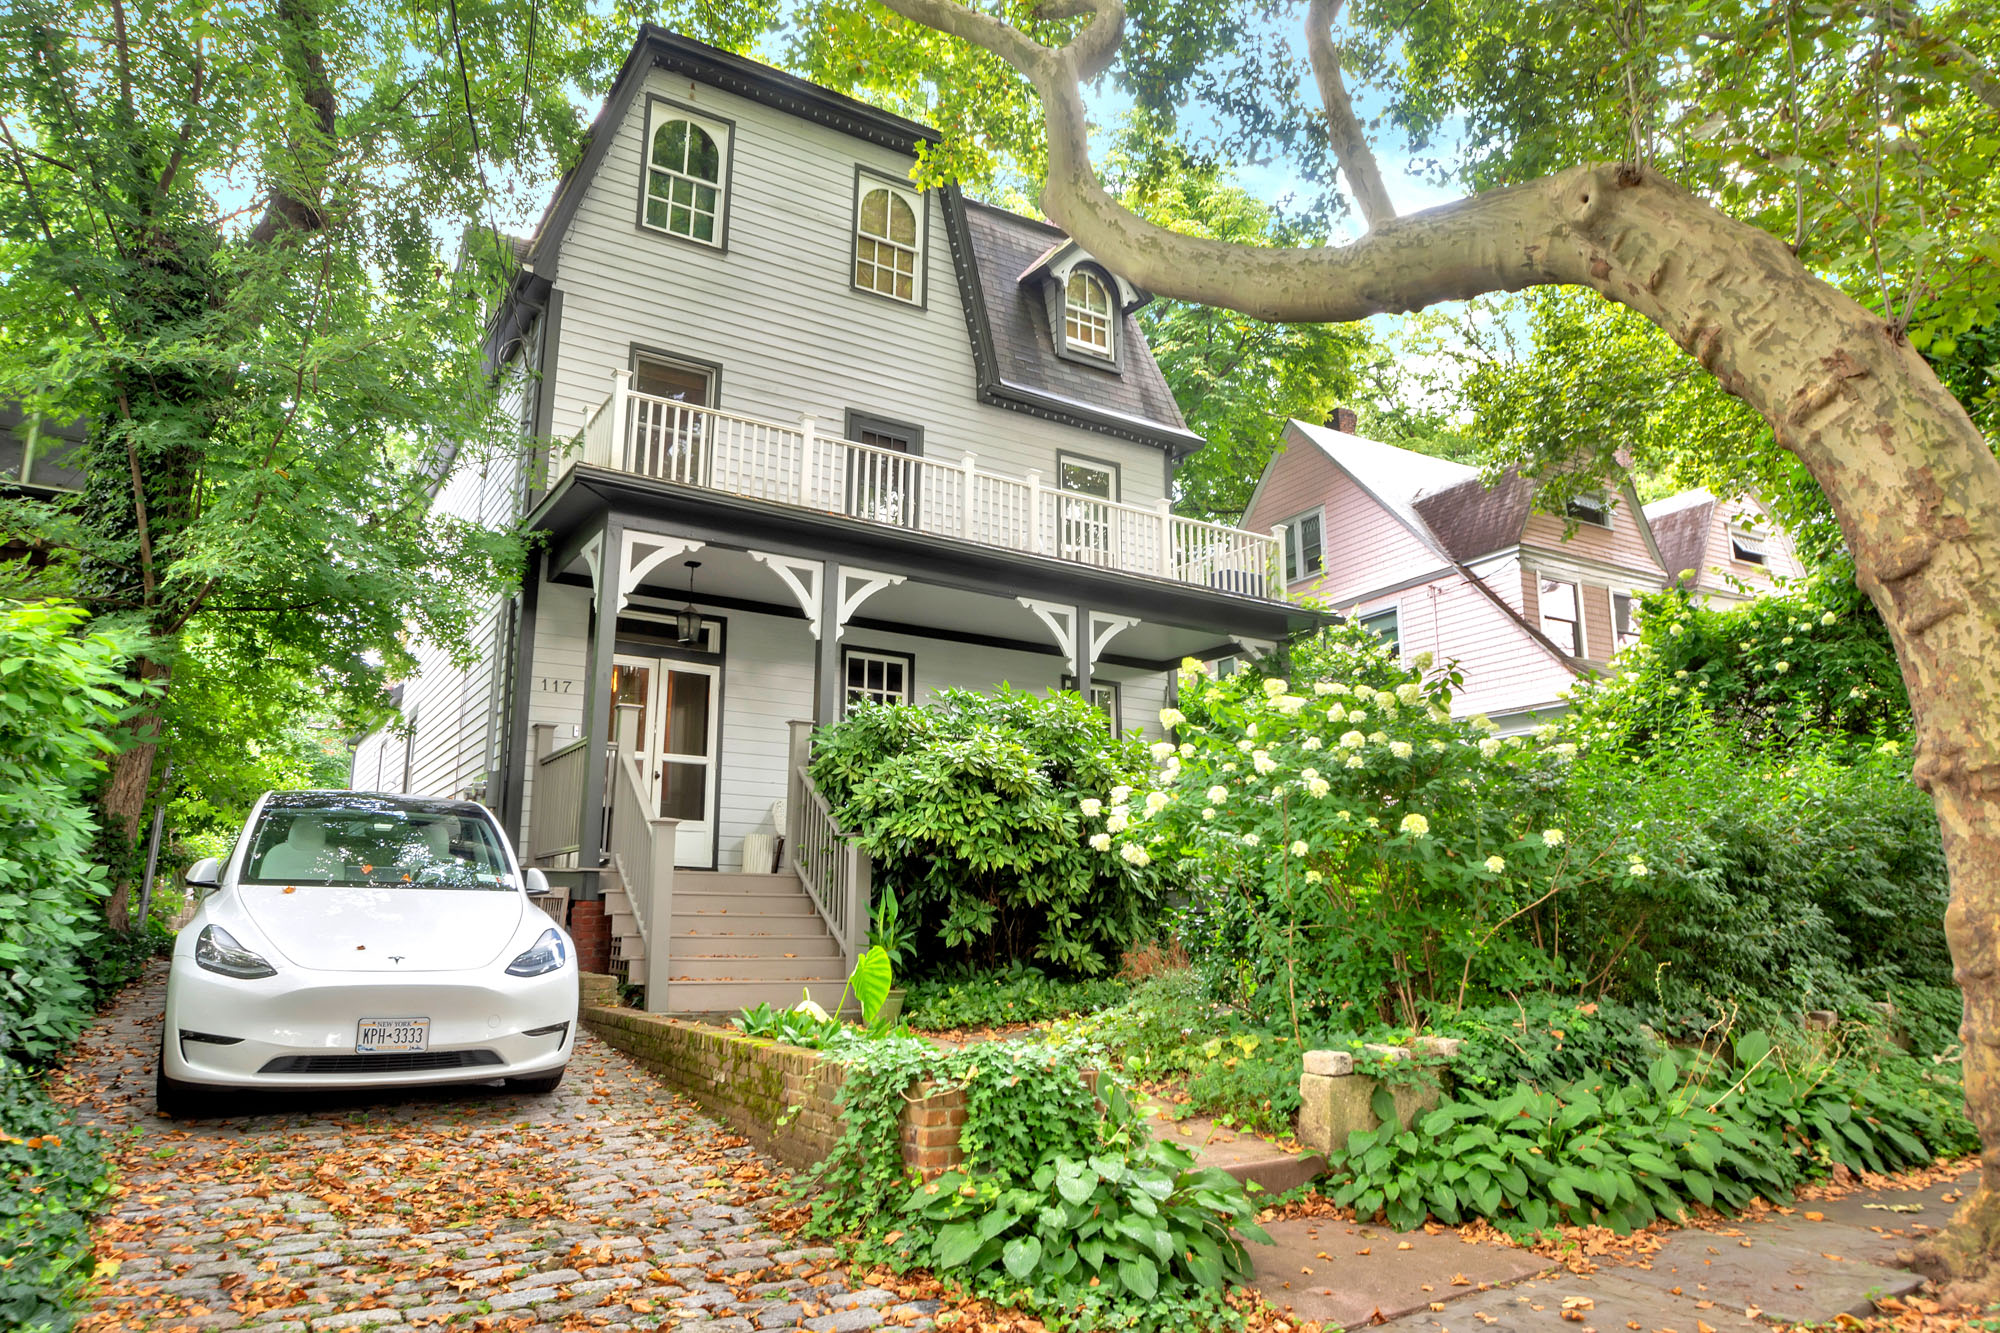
(1420, 549)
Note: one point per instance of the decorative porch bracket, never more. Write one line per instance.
(870, 582)
(801, 578)
(1257, 649)
(644, 552)
(1061, 622)
(593, 560)
(1104, 628)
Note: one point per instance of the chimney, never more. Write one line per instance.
(1343, 420)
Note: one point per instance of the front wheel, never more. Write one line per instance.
(178, 1100)
(540, 1083)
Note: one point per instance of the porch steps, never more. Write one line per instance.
(737, 940)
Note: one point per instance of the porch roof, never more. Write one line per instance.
(587, 498)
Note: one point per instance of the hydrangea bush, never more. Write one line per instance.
(1349, 847)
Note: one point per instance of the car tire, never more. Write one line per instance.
(178, 1100)
(537, 1085)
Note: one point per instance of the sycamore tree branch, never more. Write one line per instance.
(1343, 128)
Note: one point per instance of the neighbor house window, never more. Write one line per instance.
(888, 245)
(1385, 625)
(1305, 547)
(1624, 619)
(1746, 548)
(1103, 697)
(1562, 616)
(877, 678)
(1087, 314)
(1591, 509)
(686, 164)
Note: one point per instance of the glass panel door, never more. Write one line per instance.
(671, 708)
(882, 487)
(669, 440)
(1086, 514)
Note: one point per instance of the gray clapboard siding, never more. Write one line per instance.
(777, 311)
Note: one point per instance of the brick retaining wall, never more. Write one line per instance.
(754, 1084)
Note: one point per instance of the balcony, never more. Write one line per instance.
(794, 463)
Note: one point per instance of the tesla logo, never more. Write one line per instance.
(396, 957)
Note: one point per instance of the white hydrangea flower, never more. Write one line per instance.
(1639, 869)
(1352, 739)
(1187, 749)
(1117, 822)
(1377, 737)
(1172, 717)
(1318, 786)
(1336, 714)
(1157, 801)
(1856, 693)
(1496, 864)
(1552, 837)
(1384, 699)
(1299, 848)
(1243, 746)
(1512, 742)
(1120, 794)
(1356, 761)
(1311, 743)
(1401, 749)
(1250, 730)
(1410, 693)
(1439, 746)
(1090, 806)
(1323, 687)
(1567, 749)
(1781, 667)
(1357, 715)
(1828, 618)
(1100, 842)
(1275, 686)
(1314, 877)
(1547, 731)
(1218, 794)
(1290, 704)
(1415, 825)
(1374, 822)
(1343, 816)
(1422, 661)
(1208, 812)
(1485, 723)
(1251, 840)
(1677, 630)
(1160, 749)
(1889, 747)
(1263, 762)
(1785, 642)
(1171, 773)
(1136, 854)
(1229, 767)
(1681, 674)
(1489, 747)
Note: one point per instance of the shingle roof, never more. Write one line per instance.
(1395, 477)
(1004, 246)
(1472, 518)
(1680, 529)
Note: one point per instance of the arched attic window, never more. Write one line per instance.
(685, 167)
(888, 241)
(1087, 314)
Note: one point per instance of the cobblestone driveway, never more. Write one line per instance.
(609, 1203)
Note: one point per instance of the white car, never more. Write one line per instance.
(357, 940)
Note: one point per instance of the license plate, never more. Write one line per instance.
(377, 1035)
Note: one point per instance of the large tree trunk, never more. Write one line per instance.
(123, 804)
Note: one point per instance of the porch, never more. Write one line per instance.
(682, 647)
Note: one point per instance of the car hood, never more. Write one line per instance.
(384, 930)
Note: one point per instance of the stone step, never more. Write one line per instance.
(805, 971)
(721, 999)
(817, 948)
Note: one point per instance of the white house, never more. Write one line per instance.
(820, 437)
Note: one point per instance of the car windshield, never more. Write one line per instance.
(385, 845)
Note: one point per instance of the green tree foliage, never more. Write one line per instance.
(63, 694)
(970, 808)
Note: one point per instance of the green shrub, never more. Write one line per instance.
(61, 695)
(1014, 995)
(1542, 1041)
(1059, 1206)
(53, 1176)
(970, 808)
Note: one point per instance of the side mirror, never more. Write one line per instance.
(205, 874)
(537, 882)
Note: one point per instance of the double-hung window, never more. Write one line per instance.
(1305, 546)
(687, 167)
(888, 240)
(1624, 620)
(1385, 625)
(877, 678)
(1087, 314)
(1562, 616)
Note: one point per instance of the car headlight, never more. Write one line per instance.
(546, 955)
(217, 950)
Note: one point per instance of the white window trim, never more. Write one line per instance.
(1600, 504)
(1065, 459)
(1116, 716)
(1740, 541)
(1109, 350)
(1293, 545)
(1632, 616)
(907, 661)
(865, 185)
(658, 113)
(1582, 647)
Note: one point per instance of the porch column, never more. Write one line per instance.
(519, 675)
(597, 694)
(1085, 632)
(827, 696)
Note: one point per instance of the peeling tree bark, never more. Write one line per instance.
(1914, 484)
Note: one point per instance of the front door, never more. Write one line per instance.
(677, 706)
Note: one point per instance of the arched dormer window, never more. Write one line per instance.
(888, 241)
(1087, 313)
(686, 166)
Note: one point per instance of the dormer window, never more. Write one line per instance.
(1591, 509)
(1087, 314)
(888, 240)
(686, 174)
(1746, 548)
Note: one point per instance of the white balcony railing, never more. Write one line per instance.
(795, 464)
